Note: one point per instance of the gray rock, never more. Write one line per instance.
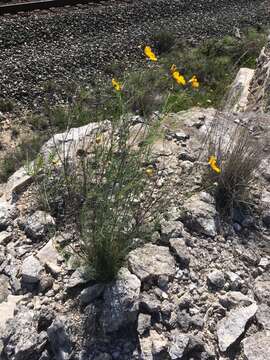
(178, 346)
(7, 308)
(234, 299)
(31, 270)
(144, 323)
(121, 302)
(200, 215)
(171, 229)
(20, 337)
(263, 316)
(50, 257)
(4, 287)
(153, 345)
(150, 262)
(45, 283)
(262, 290)
(91, 293)
(257, 347)
(149, 303)
(181, 251)
(230, 328)
(234, 280)
(38, 224)
(78, 277)
(7, 214)
(59, 340)
(16, 184)
(216, 279)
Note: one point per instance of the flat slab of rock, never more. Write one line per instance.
(16, 184)
(121, 302)
(151, 262)
(230, 328)
(257, 347)
(7, 308)
(50, 257)
(31, 269)
(4, 287)
(263, 316)
(199, 214)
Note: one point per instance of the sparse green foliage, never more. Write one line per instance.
(238, 155)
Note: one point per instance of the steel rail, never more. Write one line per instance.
(40, 5)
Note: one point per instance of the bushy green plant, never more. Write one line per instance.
(106, 188)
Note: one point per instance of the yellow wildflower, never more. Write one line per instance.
(149, 53)
(149, 171)
(194, 82)
(213, 164)
(117, 86)
(178, 78)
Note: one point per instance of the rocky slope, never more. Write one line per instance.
(198, 290)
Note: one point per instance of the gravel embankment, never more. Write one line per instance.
(76, 44)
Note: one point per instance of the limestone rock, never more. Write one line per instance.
(234, 299)
(7, 213)
(5, 237)
(257, 347)
(178, 346)
(230, 328)
(121, 302)
(38, 224)
(59, 340)
(151, 262)
(91, 293)
(262, 290)
(16, 184)
(31, 269)
(200, 214)
(49, 256)
(21, 338)
(263, 316)
(216, 279)
(7, 308)
(153, 345)
(171, 229)
(144, 323)
(181, 251)
(238, 94)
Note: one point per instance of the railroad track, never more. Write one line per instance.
(40, 5)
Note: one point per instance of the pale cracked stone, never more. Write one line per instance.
(7, 214)
(200, 215)
(7, 308)
(153, 345)
(230, 328)
(151, 262)
(178, 346)
(257, 347)
(38, 224)
(121, 302)
(262, 290)
(49, 256)
(31, 270)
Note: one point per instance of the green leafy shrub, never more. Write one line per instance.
(106, 188)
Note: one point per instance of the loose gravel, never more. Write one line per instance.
(76, 44)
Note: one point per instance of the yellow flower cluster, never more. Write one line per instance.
(180, 80)
(213, 164)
